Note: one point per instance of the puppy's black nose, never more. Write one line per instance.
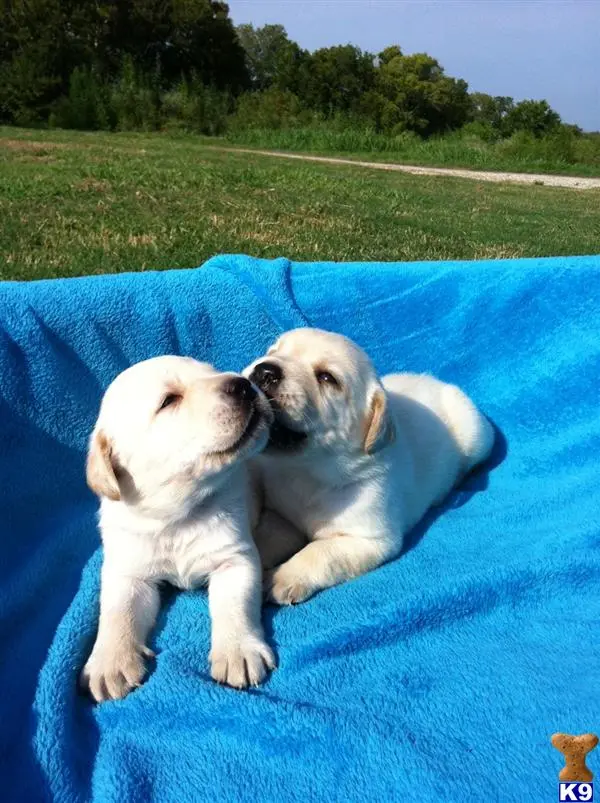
(266, 375)
(239, 388)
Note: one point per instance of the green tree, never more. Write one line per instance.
(491, 110)
(388, 54)
(535, 116)
(335, 78)
(178, 38)
(416, 95)
(204, 42)
(272, 59)
(42, 42)
(30, 58)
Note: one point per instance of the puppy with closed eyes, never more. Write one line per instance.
(353, 461)
(169, 460)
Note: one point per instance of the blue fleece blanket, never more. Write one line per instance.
(439, 677)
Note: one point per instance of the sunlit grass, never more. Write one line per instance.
(74, 203)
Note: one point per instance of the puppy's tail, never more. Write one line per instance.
(473, 433)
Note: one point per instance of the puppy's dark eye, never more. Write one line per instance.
(326, 378)
(169, 400)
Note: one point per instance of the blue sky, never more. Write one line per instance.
(522, 48)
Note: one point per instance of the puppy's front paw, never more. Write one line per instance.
(285, 587)
(241, 663)
(112, 672)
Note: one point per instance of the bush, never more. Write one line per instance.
(559, 145)
(87, 106)
(27, 87)
(194, 107)
(478, 129)
(322, 137)
(555, 148)
(273, 109)
(181, 108)
(587, 149)
(134, 101)
(216, 106)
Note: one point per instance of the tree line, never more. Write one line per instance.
(149, 64)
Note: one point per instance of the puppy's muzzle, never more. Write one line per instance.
(239, 390)
(267, 375)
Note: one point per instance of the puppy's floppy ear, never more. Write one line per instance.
(100, 468)
(379, 430)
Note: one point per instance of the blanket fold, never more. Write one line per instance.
(440, 676)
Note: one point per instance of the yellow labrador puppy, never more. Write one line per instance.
(353, 462)
(168, 458)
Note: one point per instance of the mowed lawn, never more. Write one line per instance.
(74, 203)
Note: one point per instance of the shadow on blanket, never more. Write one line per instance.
(28, 622)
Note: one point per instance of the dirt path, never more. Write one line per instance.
(573, 182)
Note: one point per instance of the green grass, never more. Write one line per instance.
(521, 153)
(73, 204)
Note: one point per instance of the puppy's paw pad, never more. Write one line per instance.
(284, 588)
(242, 664)
(111, 675)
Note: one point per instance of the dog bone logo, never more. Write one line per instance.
(575, 749)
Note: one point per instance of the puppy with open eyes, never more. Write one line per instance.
(353, 462)
(169, 460)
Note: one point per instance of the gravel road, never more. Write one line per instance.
(573, 182)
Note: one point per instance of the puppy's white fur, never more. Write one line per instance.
(354, 462)
(168, 457)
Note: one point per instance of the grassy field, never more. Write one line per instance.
(74, 203)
